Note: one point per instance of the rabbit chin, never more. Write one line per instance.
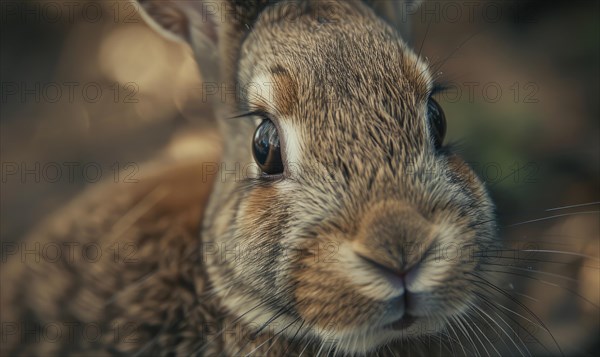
(368, 339)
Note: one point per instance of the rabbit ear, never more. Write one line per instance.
(396, 12)
(187, 21)
(203, 24)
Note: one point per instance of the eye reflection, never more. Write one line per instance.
(266, 148)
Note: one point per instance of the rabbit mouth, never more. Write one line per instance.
(403, 323)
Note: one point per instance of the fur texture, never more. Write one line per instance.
(327, 256)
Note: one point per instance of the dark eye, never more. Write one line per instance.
(437, 122)
(266, 148)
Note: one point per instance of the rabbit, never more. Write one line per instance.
(334, 220)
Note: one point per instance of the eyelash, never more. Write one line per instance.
(440, 87)
(258, 112)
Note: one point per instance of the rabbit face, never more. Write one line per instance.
(357, 227)
(366, 231)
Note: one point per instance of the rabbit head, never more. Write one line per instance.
(337, 212)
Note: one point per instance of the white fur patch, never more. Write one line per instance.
(261, 88)
(292, 149)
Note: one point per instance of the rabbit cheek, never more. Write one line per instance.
(262, 213)
(483, 220)
(463, 249)
(326, 298)
(465, 175)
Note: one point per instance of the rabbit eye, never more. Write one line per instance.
(437, 122)
(266, 148)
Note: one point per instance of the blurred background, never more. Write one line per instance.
(89, 93)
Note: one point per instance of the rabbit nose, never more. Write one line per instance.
(399, 279)
(394, 237)
(407, 272)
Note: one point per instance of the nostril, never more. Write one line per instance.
(401, 272)
(405, 274)
(394, 277)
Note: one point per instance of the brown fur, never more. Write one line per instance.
(285, 91)
(279, 258)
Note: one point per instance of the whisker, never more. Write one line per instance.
(449, 324)
(450, 338)
(520, 304)
(485, 300)
(436, 67)
(533, 271)
(293, 339)
(562, 252)
(464, 318)
(477, 309)
(540, 322)
(526, 296)
(424, 37)
(466, 334)
(481, 332)
(524, 259)
(573, 206)
(320, 348)
(271, 338)
(553, 217)
(549, 251)
(306, 345)
(237, 319)
(546, 283)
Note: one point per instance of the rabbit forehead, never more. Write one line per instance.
(356, 56)
(322, 78)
